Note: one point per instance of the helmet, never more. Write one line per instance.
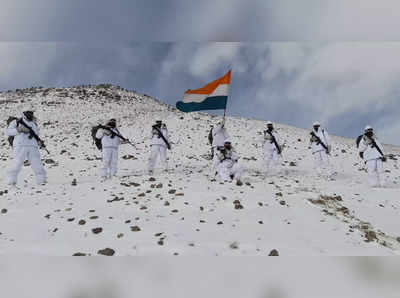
(316, 123)
(112, 123)
(29, 115)
(367, 128)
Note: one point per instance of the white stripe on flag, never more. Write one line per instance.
(221, 90)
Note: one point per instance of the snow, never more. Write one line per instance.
(278, 211)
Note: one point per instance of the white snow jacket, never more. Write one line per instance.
(20, 138)
(324, 136)
(220, 135)
(229, 158)
(269, 145)
(369, 151)
(155, 139)
(106, 140)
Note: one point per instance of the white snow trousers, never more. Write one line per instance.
(110, 162)
(376, 172)
(321, 163)
(271, 159)
(225, 171)
(158, 150)
(32, 154)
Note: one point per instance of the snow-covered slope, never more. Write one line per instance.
(184, 212)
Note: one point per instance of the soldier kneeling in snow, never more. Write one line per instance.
(110, 143)
(227, 166)
(371, 151)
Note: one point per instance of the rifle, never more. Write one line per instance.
(162, 137)
(34, 135)
(374, 145)
(319, 141)
(118, 135)
(278, 148)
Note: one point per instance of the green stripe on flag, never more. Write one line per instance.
(210, 103)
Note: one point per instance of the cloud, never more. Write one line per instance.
(122, 22)
(344, 85)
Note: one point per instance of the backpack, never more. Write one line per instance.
(358, 140)
(96, 141)
(210, 136)
(11, 138)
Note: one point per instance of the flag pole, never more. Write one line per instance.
(226, 99)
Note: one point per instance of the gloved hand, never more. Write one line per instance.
(361, 155)
(384, 159)
(22, 129)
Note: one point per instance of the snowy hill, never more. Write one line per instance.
(184, 212)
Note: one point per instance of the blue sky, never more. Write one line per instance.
(292, 62)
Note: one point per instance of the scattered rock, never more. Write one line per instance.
(128, 156)
(237, 204)
(274, 253)
(220, 223)
(370, 236)
(282, 202)
(79, 254)
(4, 211)
(97, 230)
(234, 245)
(74, 183)
(152, 179)
(292, 164)
(135, 229)
(81, 222)
(106, 252)
(172, 191)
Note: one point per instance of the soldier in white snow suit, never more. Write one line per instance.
(159, 143)
(272, 147)
(219, 136)
(26, 147)
(372, 152)
(110, 144)
(321, 148)
(227, 166)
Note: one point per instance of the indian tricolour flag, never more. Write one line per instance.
(212, 96)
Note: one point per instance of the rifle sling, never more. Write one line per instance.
(162, 137)
(34, 135)
(319, 141)
(274, 141)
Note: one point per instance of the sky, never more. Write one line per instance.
(293, 62)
